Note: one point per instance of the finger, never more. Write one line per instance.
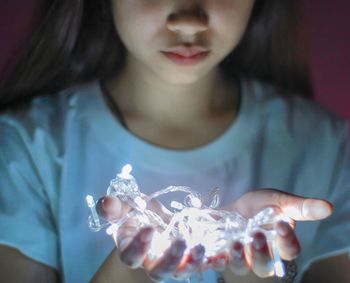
(166, 266)
(301, 209)
(296, 207)
(238, 263)
(126, 233)
(111, 208)
(262, 264)
(155, 206)
(287, 241)
(220, 262)
(133, 252)
(191, 263)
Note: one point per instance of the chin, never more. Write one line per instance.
(181, 78)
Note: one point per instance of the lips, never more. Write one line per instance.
(186, 55)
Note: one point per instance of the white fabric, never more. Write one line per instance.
(68, 145)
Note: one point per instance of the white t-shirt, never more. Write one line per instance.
(65, 146)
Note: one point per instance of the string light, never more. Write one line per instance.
(191, 220)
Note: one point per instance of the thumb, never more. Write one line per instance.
(111, 208)
(296, 207)
(304, 209)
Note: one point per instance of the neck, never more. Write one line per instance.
(161, 112)
(148, 96)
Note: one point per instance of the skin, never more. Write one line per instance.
(151, 90)
(148, 27)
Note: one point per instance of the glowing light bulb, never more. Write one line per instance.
(159, 244)
(94, 219)
(196, 202)
(177, 205)
(126, 170)
(111, 230)
(278, 264)
(141, 203)
(279, 268)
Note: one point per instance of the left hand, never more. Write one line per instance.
(133, 242)
(257, 257)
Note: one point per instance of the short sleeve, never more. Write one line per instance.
(332, 234)
(27, 207)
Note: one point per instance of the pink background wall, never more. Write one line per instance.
(16, 20)
(327, 23)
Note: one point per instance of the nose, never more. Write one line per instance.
(188, 21)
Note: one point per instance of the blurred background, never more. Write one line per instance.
(326, 25)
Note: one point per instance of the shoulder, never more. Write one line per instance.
(295, 117)
(45, 115)
(303, 142)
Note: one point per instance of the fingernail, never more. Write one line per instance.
(282, 228)
(237, 250)
(221, 261)
(259, 241)
(146, 235)
(219, 264)
(316, 209)
(177, 249)
(198, 253)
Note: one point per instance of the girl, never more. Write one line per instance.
(195, 93)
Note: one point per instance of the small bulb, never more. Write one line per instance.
(90, 201)
(160, 243)
(176, 205)
(126, 170)
(141, 203)
(279, 269)
(111, 230)
(196, 202)
(91, 204)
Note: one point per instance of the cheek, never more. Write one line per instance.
(135, 19)
(230, 18)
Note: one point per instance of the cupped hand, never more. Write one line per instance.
(133, 241)
(257, 255)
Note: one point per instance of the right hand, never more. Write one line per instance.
(133, 243)
(256, 256)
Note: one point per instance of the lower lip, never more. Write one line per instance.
(182, 60)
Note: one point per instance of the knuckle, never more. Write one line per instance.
(275, 197)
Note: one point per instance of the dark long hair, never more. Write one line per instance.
(76, 42)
